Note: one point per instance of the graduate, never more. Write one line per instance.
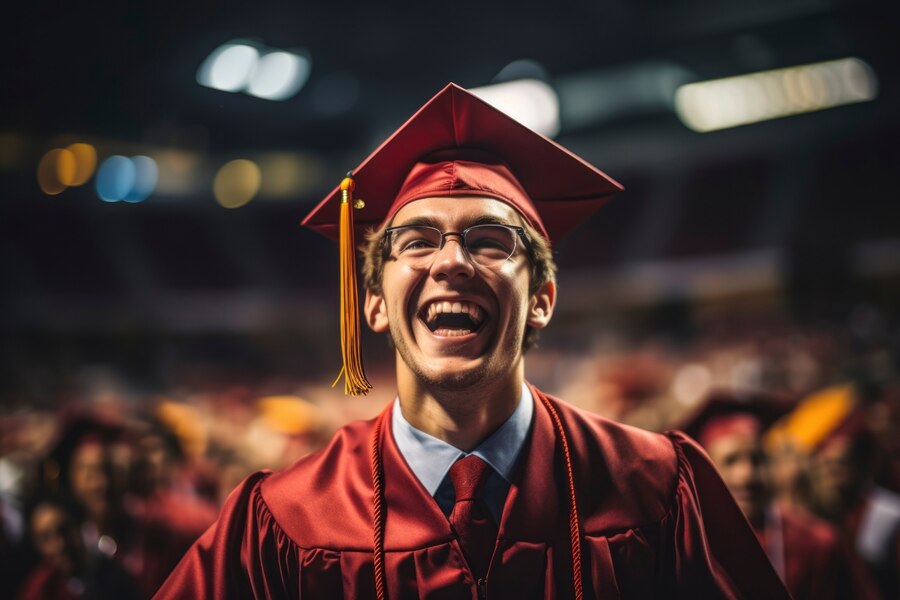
(831, 426)
(473, 483)
(804, 550)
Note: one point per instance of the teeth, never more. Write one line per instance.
(436, 308)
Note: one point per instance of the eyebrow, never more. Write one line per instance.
(422, 221)
(432, 222)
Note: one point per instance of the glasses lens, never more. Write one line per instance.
(415, 244)
(486, 245)
(489, 245)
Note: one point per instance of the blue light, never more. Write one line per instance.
(115, 178)
(145, 176)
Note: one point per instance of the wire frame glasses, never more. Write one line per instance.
(488, 245)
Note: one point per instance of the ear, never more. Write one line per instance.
(540, 308)
(376, 312)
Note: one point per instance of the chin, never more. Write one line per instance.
(449, 378)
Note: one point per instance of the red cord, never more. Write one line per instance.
(378, 508)
(574, 534)
(378, 504)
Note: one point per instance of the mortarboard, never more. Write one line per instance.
(819, 418)
(723, 412)
(455, 145)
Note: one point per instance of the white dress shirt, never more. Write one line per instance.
(430, 459)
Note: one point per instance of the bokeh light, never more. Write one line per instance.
(691, 383)
(55, 168)
(531, 102)
(229, 67)
(287, 175)
(279, 75)
(237, 183)
(85, 163)
(242, 67)
(179, 172)
(115, 178)
(744, 99)
(146, 174)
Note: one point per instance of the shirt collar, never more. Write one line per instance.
(430, 458)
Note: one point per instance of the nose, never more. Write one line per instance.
(452, 261)
(747, 473)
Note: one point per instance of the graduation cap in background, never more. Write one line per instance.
(455, 145)
(819, 418)
(725, 411)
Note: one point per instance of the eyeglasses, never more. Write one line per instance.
(488, 245)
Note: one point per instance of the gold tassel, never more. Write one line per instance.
(355, 382)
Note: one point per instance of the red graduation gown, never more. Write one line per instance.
(656, 520)
(807, 549)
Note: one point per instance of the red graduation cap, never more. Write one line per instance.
(563, 189)
(455, 145)
(728, 411)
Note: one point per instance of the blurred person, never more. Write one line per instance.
(805, 551)
(233, 469)
(66, 569)
(865, 513)
(147, 530)
(79, 467)
(473, 483)
(829, 425)
(12, 560)
(789, 475)
(166, 512)
(883, 420)
(11, 519)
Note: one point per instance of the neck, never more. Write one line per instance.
(461, 417)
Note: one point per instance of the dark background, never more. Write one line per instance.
(794, 221)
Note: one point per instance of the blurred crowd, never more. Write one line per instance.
(104, 488)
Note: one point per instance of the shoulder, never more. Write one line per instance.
(332, 485)
(627, 470)
(43, 582)
(807, 527)
(348, 447)
(637, 447)
(809, 537)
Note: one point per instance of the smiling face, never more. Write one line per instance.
(454, 323)
(741, 462)
(90, 478)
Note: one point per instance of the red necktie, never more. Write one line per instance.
(470, 518)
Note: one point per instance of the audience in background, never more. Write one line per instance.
(805, 551)
(66, 569)
(118, 484)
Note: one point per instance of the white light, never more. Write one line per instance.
(531, 102)
(691, 383)
(279, 75)
(229, 68)
(744, 99)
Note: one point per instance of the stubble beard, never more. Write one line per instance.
(456, 381)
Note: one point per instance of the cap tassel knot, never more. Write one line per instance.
(355, 382)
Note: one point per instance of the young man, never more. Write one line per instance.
(474, 484)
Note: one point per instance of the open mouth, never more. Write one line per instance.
(452, 318)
